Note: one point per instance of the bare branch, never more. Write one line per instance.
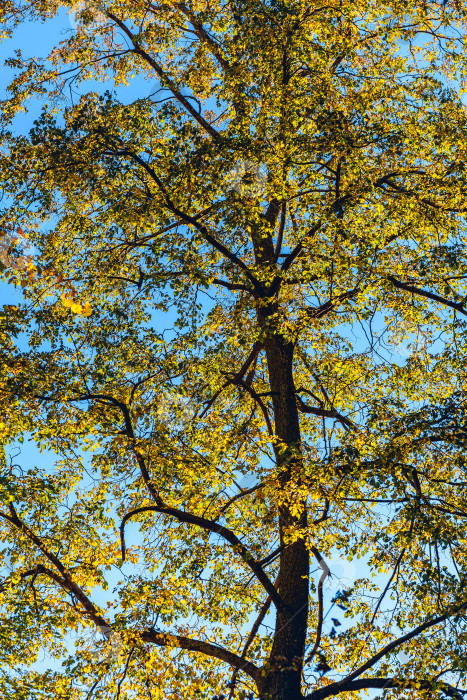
(319, 626)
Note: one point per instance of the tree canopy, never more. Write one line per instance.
(240, 347)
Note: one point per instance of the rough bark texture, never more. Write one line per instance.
(282, 679)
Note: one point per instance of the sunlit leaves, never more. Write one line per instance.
(275, 225)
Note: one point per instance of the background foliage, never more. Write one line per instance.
(241, 345)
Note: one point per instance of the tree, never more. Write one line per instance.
(242, 347)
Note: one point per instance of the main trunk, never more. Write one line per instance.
(282, 673)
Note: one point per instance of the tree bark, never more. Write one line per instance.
(282, 673)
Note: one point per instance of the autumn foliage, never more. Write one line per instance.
(240, 344)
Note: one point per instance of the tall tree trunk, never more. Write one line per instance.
(282, 678)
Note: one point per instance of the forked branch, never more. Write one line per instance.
(349, 683)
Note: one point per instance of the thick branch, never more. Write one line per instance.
(65, 580)
(33, 573)
(202, 34)
(162, 639)
(387, 683)
(293, 255)
(231, 285)
(139, 51)
(330, 305)
(197, 645)
(242, 383)
(257, 346)
(193, 221)
(324, 413)
(183, 516)
(390, 647)
(408, 287)
(386, 180)
(280, 234)
(213, 526)
(130, 433)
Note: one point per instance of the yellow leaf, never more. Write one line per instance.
(66, 301)
(87, 310)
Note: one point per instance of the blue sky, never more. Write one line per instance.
(38, 40)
